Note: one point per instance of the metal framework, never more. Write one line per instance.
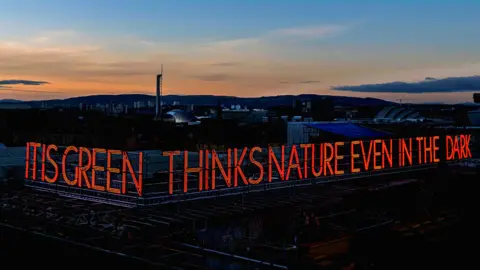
(177, 235)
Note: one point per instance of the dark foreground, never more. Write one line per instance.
(446, 240)
(447, 247)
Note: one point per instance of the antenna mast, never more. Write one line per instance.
(158, 103)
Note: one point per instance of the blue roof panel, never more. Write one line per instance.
(349, 130)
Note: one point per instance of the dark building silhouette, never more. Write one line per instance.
(323, 109)
(320, 109)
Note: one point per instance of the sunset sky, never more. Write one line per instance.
(233, 47)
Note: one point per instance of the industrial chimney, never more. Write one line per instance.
(158, 103)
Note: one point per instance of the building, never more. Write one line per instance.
(319, 109)
(180, 117)
(312, 132)
(393, 114)
(139, 104)
(474, 115)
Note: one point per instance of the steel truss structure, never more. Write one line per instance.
(168, 235)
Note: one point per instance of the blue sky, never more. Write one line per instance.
(412, 22)
(398, 38)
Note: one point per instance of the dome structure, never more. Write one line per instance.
(168, 118)
(397, 115)
(181, 116)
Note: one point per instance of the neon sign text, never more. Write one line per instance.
(85, 171)
(236, 166)
(318, 160)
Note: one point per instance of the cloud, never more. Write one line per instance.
(275, 38)
(69, 55)
(80, 64)
(310, 81)
(302, 82)
(229, 45)
(225, 64)
(454, 84)
(24, 82)
(318, 31)
(17, 90)
(54, 36)
(61, 41)
(214, 77)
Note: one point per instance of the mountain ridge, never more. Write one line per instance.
(11, 101)
(260, 102)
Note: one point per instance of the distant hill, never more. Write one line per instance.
(258, 102)
(471, 104)
(10, 101)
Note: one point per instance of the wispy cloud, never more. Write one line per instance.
(276, 37)
(225, 64)
(302, 82)
(64, 41)
(430, 85)
(24, 82)
(54, 36)
(80, 64)
(230, 45)
(17, 90)
(318, 31)
(310, 82)
(214, 77)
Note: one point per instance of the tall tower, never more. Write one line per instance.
(158, 103)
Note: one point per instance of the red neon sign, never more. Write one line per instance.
(318, 160)
(85, 172)
(301, 162)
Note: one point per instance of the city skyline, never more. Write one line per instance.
(60, 49)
